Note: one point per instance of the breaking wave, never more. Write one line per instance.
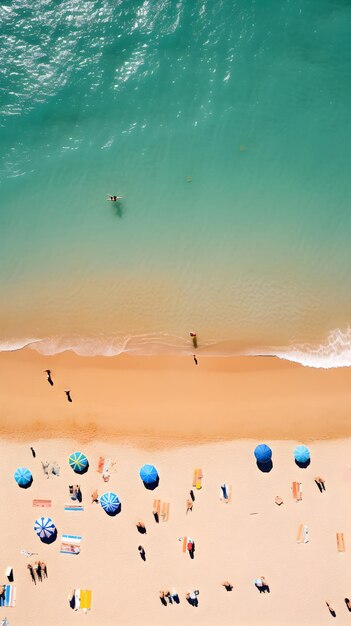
(333, 353)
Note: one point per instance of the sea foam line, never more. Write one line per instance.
(333, 353)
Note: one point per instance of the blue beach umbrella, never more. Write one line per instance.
(44, 527)
(301, 454)
(23, 477)
(263, 453)
(110, 502)
(78, 462)
(148, 474)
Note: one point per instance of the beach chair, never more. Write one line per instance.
(297, 492)
(70, 544)
(165, 511)
(157, 507)
(340, 542)
(278, 500)
(197, 478)
(85, 599)
(41, 503)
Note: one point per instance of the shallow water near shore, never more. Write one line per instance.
(225, 127)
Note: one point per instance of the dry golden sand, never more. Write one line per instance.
(158, 399)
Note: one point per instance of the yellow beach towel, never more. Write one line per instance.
(85, 599)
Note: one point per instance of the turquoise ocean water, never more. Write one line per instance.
(225, 126)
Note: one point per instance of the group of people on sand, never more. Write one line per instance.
(172, 597)
(51, 383)
(38, 572)
(50, 468)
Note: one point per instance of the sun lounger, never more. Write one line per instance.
(340, 541)
(297, 492)
(157, 507)
(74, 507)
(197, 478)
(70, 544)
(41, 503)
(302, 534)
(10, 595)
(165, 511)
(85, 599)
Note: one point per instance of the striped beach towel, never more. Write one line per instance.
(38, 502)
(74, 507)
(10, 595)
(70, 544)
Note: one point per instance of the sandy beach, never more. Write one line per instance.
(238, 541)
(178, 416)
(169, 400)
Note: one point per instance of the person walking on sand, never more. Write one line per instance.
(48, 375)
(331, 610)
(68, 394)
(142, 553)
(44, 569)
(38, 570)
(33, 452)
(189, 505)
(195, 359)
(31, 571)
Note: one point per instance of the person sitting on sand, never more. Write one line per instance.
(141, 528)
(227, 586)
(189, 505)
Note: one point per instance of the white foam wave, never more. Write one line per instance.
(334, 353)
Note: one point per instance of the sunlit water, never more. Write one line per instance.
(225, 126)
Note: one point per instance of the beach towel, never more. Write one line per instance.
(101, 464)
(85, 599)
(70, 544)
(157, 507)
(74, 507)
(77, 598)
(10, 595)
(340, 542)
(197, 478)
(41, 503)
(185, 541)
(297, 491)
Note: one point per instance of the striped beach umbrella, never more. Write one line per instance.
(44, 527)
(78, 462)
(23, 477)
(110, 502)
(263, 453)
(148, 474)
(301, 454)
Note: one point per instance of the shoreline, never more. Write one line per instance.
(157, 401)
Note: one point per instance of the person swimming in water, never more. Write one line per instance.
(114, 198)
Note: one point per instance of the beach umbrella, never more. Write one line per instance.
(148, 474)
(23, 477)
(44, 527)
(110, 502)
(301, 454)
(263, 453)
(78, 462)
